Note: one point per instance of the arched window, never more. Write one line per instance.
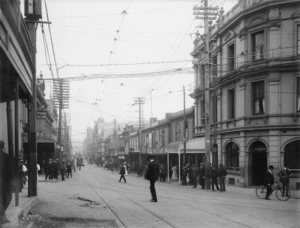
(232, 155)
(292, 155)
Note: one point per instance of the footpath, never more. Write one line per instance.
(14, 213)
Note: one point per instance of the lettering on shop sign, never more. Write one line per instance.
(41, 115)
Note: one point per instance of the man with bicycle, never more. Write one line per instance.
(269, 181)
(284, 177)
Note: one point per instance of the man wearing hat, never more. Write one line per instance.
(269, 181)
(152, 175)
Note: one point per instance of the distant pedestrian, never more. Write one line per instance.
(193, 175)
(214, 178)
(122, 172)
(284, 177)
(184, 175)
(222, 175)
(62, 171)
(269, 181)
(69, 169)
(174, 173)
(202, 176)
(55, 169)
(152, 175)
(162, 173)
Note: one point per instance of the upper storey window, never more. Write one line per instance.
(298, 39)
(258, 45)
(231, 57)
(298, 95)
(258, 94)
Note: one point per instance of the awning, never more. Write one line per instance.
(196, 145)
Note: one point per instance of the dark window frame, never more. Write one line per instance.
(232, 155)
(258, 48)
(231, 57)
(258, 98)
(231, 103)
(298, 94)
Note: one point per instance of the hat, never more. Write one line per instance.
(150, 157)
(271, 167)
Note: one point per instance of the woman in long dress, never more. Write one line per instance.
(174, 173)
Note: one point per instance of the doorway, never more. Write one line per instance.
(259, 162)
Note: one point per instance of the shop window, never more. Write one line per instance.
(298, 95)
(231, 57)
(231, 104)
(258, 45)
(232, 155)
(258, 96)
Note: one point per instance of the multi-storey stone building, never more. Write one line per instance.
(254, 89)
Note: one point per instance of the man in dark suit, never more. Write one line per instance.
(152, 175)
(284, 176)
(269, 181)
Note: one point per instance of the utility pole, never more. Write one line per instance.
(33, 12)
(140, 101)
(184, 130)
(207, 14)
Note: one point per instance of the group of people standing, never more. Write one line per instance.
(284, 178)
(191, 174)
(53, 168)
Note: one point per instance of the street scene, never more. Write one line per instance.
(94, 197)
(149, 113)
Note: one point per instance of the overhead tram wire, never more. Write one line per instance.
(114, 48)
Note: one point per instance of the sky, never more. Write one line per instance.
(117, 37)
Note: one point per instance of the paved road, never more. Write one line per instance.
(95, 198)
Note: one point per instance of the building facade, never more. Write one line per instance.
(254, 89)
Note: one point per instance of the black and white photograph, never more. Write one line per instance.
(149, 113)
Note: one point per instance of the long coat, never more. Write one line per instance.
(269, 179)
(152, 171)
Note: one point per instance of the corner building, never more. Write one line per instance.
(254, 90)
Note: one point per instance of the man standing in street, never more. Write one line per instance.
(269, 181)
(284, 176)
(152, 175)
(222, 175)
(214, 178)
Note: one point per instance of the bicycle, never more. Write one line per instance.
(282, 193)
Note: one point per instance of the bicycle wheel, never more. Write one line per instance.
(283, 193)
(261, 191)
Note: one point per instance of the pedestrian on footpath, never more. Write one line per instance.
(62, 171)
(152, 175)
(284, 177)
(69, 169)
(184, 175)
(269, 181)
(5, 182)
(193, 175)
(214, 178)
(162, 173)
(202, 176)
(222, 175)
(122, 172)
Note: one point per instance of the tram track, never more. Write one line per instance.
(115, 214)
